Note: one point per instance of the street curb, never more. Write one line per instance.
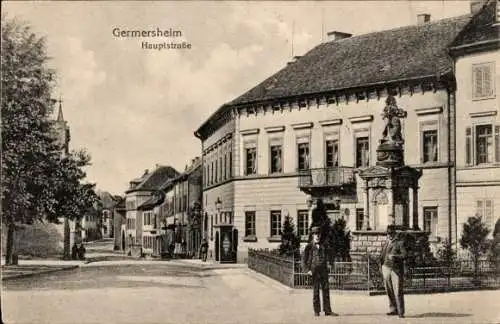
(430, 291)
(270, 281)
(33, 274)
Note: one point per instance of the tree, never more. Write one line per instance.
(340, 241)
(290, 242)
(38, 181)
(474, 239)
(445, 253)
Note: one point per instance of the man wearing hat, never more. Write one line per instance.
(315, 262)
(392, 262)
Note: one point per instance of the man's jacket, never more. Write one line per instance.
(397, 249)
(314, 256)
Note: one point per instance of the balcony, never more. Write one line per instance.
(336, 179)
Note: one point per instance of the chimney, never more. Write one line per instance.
(423, 18)
(336, 35)
(294, 59)
(475, 6)
(145, 172)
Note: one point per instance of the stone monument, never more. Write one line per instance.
(390, 190)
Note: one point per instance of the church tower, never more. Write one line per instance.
(62, 131)
(62, 138)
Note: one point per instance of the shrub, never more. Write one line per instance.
(290, 242)
(474, 239)
(445, 253)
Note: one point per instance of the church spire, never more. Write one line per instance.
(60, 117)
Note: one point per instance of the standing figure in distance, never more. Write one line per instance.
(392, 262)
(204, 250)
(315, 262)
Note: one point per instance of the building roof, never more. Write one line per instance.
(397, 54)
(107, 200)
(154, 179)
(157, 198)
(481, 28)
(120, 203)
(169, 183)
(389, 56)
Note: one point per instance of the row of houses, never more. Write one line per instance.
(161, 213)
(316, 123)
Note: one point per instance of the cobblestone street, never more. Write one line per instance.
(181, 294)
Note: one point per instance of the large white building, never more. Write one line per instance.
(317, 121)
(477, 69)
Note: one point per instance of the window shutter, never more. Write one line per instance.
(488, 211)
(487, 89)
(478, 84)
(497, 143)
(468, 146)
(479, 208)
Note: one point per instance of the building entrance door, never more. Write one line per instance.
(227, 245)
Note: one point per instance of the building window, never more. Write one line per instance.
(230, 164)
(130, 223)
(216, 177)
(484, 209)
(130, 205)
(302, 222)
(483, 81)
(431, 221)
(250, 224)
(275, 223)
(360, 215)
(225, 166)
(482, 144)
(147, 218)
(212, 172)
(251, 161)
(331, 152)
(362, 152)
(220, 168)
(303, 156)
(430, 146)
(211, 227)
(276, 159)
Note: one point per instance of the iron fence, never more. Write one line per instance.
(366, 275)
(271, 265)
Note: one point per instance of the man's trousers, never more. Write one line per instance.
(320, 281)
(394, 283)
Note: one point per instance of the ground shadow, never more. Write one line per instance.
(362, 314)
(440, 315)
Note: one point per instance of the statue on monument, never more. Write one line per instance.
(392, 131)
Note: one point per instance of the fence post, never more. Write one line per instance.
(293, 271)
(368, 275)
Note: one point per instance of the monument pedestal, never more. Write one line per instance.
(387, 187)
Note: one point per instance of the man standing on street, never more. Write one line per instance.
(315, 262)
(204, 250)
(392, 261)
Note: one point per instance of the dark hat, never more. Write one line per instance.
(391, 229)
(315, 230)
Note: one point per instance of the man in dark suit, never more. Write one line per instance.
(392, 262)
(315, 262)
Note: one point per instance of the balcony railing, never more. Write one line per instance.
(325, 177)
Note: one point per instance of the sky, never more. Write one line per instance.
(133, 108)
